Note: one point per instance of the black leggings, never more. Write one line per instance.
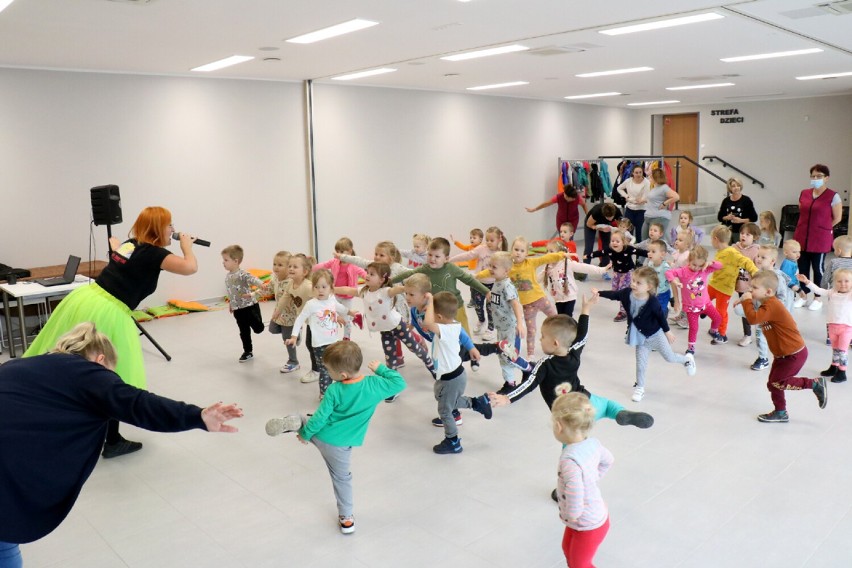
(811, 261)
(566, 308)
(590, 236)
(248, 320)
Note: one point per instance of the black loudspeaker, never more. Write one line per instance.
(106, 205)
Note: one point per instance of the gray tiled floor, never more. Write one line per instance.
(706, 486)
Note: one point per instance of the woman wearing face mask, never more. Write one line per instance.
(737, 209)
(819, 210)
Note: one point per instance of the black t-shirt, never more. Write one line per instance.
(596, 213)
(53, 418)
(132, 272)
(553, 371)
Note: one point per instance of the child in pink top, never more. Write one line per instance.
(344, 275)
(559, 278)
(690, 292)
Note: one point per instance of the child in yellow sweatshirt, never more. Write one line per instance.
(723, 281)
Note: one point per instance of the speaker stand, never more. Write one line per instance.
(138, 326)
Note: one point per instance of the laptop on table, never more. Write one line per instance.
(67, 278)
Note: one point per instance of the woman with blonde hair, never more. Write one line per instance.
(131, 275)
(54, 413)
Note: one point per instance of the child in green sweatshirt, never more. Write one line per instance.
(342, 418)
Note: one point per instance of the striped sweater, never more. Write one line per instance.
(581, 465)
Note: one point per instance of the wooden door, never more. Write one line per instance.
(680, 138)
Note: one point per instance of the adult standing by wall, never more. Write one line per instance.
(660, 200)
(635, 190)
(599, 222)
(54, 411)
(567, 204)
(737, 209)
(819, 210)
(130, 276)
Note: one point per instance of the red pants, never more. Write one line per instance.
(580, 546)
(721, 307)
(782, 377)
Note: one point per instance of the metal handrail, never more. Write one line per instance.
(727, 164)
(678, 158)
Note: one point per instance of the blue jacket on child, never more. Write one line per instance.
(650, 319)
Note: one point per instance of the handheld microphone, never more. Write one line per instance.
(199, 242)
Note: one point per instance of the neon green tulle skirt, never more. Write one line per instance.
(110, 316)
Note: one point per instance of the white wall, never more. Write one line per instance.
(226, 157)
(777, 143)
(393, 162)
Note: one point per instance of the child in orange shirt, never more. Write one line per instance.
(785, 343)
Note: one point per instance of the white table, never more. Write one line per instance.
(28, 290)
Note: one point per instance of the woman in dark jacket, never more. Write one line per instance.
(736, 209)
(54, 411)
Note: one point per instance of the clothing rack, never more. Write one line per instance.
(605, 191)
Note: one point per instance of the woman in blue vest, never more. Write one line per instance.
(820, 209)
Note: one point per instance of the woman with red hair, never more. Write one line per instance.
(131, 275)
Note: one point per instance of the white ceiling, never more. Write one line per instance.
(169, 37)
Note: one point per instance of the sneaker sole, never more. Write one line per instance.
(639, 419)
(772, 421)
(308, 379)
(459, 422)
(278, 426)
(824, 402)
(284, 370)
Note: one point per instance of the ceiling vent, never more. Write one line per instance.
(841, 8)
(555, 50)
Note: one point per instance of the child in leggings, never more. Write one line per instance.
(723, 282)
(647, 328)
(839, 320)
(321, 314)
(623, 262)
(689, 286)
(582, 463)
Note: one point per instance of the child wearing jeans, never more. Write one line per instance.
(342, 418)
(320, 313)
(690, 293)
(784, 341)
(242, 302)
(344, 274)
(647, 328)
(839, 320)
(584, 461)
(451, 378)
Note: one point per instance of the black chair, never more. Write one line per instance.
(790, 217)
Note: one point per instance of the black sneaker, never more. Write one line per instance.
(438, 423)
(839, 377)
(553, 493)
(689, 351)
(821, 391)
(120, 448)
(507, 388)
(774, 416)
(448, 446)
(246, 357)
(392, 398)
(760, 364)
(719, 339)
(830, 372)
(474, 366)
(639, 419)
(619, 317)
(482, 405)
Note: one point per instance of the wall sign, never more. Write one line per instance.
(728, 116)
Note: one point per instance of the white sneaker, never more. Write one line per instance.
(309, 377)
(814, 306)
(489, 335)
(798, 302)
(745, 341)
(477, 327)
(690, 365)
(278, 426)
(638, 394)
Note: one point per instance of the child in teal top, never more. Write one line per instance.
(342, 418)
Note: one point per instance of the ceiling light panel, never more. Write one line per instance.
(615, 72)
(771, 55)
(592, 96)
(690, 87)
(498, 86)
(485, 52)
(824, 76)
(652, 103)
(222, 63)
(5, 4)
(362, 74)
(660, 24)
(333, 31)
